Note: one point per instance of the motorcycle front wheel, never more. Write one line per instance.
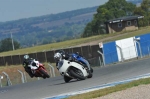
(45, 75)
(67, 79)
(77, 74)
(91, 70)
(90, 74)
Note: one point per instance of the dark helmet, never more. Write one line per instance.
(62, 52)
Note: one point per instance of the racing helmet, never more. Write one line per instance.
(26, 57)
(57, 56)
(62, 52)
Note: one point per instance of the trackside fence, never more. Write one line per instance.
(88, 52)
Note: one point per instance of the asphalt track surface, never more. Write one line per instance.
(55, 86)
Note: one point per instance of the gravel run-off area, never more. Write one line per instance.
(138, 92)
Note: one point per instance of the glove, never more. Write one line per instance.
(70, 58)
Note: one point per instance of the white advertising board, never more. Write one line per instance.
(126, 48)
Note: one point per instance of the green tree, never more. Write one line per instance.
(6, 45)
(145, 5)
(110, 10)
(143, 10)
(139, 11)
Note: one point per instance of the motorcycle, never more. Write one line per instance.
(72, 70)
(38, 69)
(81, 60)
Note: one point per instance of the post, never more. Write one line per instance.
(12, 41)
(99, 61)
(45, 55)
(137, 41)
(102, 57)
(22, 77)
(1, 77)
(25, 78)
(8, 80)
(122, 59)
(52, 70)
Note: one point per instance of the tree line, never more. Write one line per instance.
(115, 9)
(8, 44)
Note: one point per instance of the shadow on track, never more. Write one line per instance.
(73, 81)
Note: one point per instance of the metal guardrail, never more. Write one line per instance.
(52, 71)
(8, 79)
(22, 76)
(103, 58)
(1, 77)
(25, 78)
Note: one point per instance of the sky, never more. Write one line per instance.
(18, 9)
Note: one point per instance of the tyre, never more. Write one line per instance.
(67, 79)
(77, 74)
(91, 70)
(90, 75)
(45, 75)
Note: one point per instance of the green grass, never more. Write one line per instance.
(74, 42)
(103, 92)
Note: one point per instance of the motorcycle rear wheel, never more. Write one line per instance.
(76, 74)
(45, 75)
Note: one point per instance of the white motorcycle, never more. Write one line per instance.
(72, 70)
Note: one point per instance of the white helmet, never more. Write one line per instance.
(26, 56)
(57, 56)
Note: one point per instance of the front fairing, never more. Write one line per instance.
(63, 66)
(60, 64)
(34, 68)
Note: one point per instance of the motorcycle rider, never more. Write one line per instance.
(61, 54)
(64, 54)
(27, 61)
(58, 56)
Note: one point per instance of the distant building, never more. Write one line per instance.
(122, 24)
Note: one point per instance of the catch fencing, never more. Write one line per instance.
(88, 52)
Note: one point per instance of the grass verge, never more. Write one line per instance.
(103, 92)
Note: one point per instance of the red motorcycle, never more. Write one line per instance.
(38, 69)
